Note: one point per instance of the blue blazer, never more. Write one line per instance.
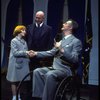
(72, 50)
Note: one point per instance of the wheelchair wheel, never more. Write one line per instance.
(20, 85)
(67, 89)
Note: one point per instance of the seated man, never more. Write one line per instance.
(66, 54)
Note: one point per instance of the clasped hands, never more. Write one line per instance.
(31, 53)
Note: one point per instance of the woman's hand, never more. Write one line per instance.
(31, 53)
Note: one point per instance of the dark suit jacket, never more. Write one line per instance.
(43, 41)
(39, 40)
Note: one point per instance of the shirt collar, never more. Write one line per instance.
(20, 39)
(40, 24)
(67, 36)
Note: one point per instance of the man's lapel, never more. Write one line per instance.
(43, 30)
(67, 41)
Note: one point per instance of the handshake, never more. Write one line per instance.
(31, 53)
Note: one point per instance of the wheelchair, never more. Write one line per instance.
(21, 83)
(68, 88)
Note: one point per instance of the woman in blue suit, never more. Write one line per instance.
(18, 65)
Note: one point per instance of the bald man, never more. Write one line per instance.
(40, 37)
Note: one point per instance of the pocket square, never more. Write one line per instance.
(67, 45)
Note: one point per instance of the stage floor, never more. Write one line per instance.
(87, 92)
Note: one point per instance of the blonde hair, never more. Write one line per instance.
(18, 29)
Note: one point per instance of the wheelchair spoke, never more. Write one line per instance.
(67, 90)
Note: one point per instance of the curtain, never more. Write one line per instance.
(76, 9)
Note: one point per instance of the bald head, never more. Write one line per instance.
(39, 17)
(41, 13)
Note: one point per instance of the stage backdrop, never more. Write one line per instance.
(16, 12)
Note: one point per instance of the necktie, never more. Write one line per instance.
(38, 25)
(64, 38)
